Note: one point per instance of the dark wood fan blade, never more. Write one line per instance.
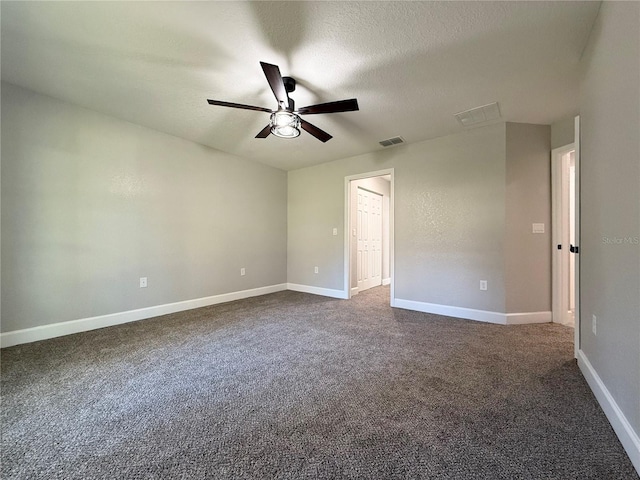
(315, 131)
(264, 133)
(272, 72)
(331, 107)
(238, 105)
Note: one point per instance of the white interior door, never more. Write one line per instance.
(564, 234)
(369, 238)
(564, 195)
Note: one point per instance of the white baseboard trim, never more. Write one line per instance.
(45, 332)
(472, 314)
(528, 317)
(627, 436)
(325, 292)
(386, 281)
(458, 312)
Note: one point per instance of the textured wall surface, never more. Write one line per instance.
(449, 219)
(610, 204)
(562, 132)
(90, 204)
(315, 206)
(528, 255)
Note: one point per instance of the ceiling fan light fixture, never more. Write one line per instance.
(286, 121)
(285, 124)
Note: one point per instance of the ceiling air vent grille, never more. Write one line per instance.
(390, 142)
(482, 114)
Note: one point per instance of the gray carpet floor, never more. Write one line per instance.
(294, 386)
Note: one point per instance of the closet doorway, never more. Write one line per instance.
(369, 231)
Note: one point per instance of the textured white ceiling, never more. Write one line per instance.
(411, 65)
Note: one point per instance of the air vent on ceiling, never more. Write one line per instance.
(392, 141)
(477, 115)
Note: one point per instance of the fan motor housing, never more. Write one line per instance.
(289, 84)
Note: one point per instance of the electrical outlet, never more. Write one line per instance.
(315, 269)
(594, 324)
(143, 282)
(335, 231)
(483, 284)
(242, 272)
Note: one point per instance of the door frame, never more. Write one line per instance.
(578, 322)
(576, 147)
(347, 228)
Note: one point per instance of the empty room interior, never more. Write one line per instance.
(300, 239)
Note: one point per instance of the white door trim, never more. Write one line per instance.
(347, 229)
(555, 179)
(576, 134)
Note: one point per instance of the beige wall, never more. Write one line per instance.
(610, 204)
(449, 218)
(562, 132)
(464, 205)
(91, 203)
(528, 201)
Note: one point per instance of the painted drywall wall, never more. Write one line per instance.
(528, 201)
(562, 132)
(449, 219)
(610, 204)
(91, 203)
(383, 187)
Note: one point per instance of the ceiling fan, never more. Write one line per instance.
(285, 122)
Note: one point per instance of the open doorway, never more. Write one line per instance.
(368, 231)
(564, 234)
(565, 177)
